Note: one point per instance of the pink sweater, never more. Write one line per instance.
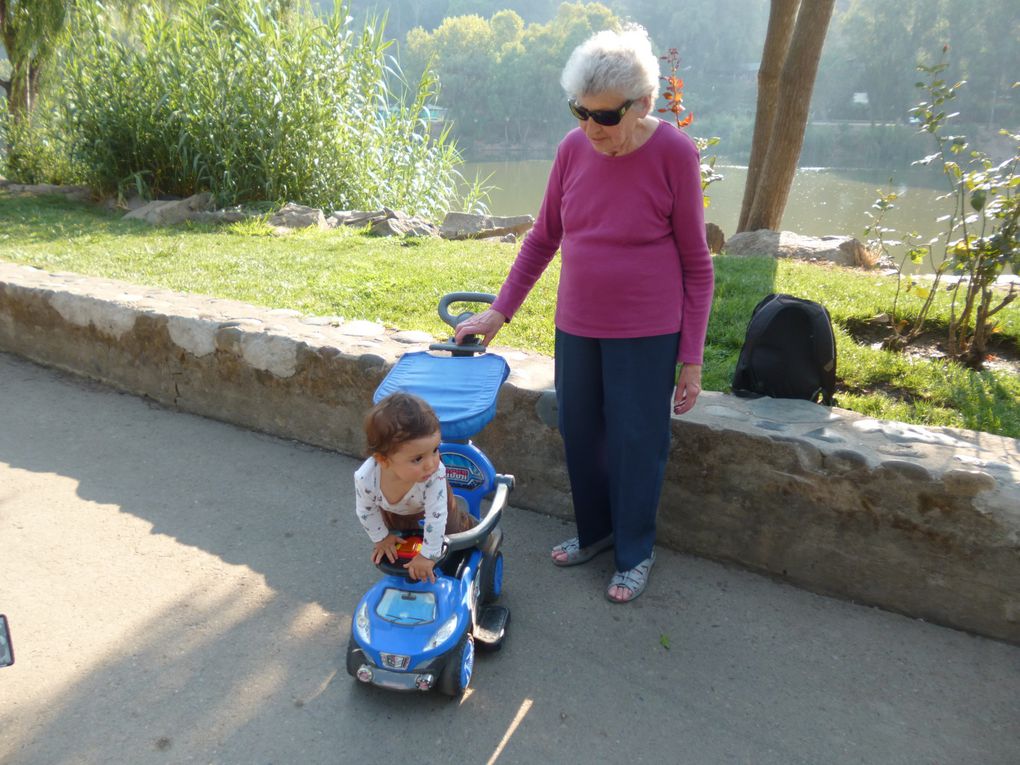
(631, 233)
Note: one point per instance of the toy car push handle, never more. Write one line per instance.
(475, 536)
(470, 346)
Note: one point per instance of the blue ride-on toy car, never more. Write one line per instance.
(408, 635)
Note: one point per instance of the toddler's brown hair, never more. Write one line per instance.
(398, 418)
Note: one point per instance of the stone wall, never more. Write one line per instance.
(924, 521)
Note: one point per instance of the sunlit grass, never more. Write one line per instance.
(350, 274)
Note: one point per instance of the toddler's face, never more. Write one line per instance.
(414, 461)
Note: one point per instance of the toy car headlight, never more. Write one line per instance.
(443, 633)
(361, 624)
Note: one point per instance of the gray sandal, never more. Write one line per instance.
(577, 554)
(635, 580)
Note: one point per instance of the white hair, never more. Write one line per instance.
(613, 61)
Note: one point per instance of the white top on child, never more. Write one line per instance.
(429, 497)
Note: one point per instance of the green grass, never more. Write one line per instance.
(398, 282)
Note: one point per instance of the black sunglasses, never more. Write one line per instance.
(604, 117)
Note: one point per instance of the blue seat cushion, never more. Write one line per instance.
(462, 389)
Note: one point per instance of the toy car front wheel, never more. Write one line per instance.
(456, 675)
(353, 663)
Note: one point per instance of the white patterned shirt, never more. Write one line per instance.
(429, 497)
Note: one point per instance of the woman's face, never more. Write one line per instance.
(617, 139)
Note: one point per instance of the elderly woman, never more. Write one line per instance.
(624, 207)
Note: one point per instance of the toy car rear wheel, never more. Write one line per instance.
(456, 675)
(492, 578)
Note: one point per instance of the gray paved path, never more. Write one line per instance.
(180, 592)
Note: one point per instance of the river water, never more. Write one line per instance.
(822, 201)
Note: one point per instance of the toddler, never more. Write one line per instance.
(402, 485)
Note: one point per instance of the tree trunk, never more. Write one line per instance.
(789, 120)
(782, 15)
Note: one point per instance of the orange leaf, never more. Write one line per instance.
(687, 120)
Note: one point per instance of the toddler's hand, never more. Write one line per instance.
(387, 547)
(421, 568)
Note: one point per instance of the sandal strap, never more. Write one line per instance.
(635, 578)
(571, 546)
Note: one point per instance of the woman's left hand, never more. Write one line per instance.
(688, 386)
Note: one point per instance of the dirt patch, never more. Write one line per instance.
(1003, 352)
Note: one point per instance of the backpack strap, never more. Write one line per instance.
(825, 352)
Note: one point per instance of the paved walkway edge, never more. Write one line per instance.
(923, 521)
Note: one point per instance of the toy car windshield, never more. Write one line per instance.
(407, 607)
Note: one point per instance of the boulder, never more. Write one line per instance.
(227, 215)
(714, 236)
(403, 225)
(843, 250)
(167, 213)
(384, 222)
(294, 216)
(470, 226)
(77, 193)
(355, 218)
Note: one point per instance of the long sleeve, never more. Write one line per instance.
(368, 500)
(434, 502)
(428, 497)
(698, 273)
(630, 231)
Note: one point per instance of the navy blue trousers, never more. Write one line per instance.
(615, 404)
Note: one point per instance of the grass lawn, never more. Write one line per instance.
(398, 282)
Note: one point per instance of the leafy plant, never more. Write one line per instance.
(674, 96)
(980, 239)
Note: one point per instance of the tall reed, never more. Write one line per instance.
(252, 100)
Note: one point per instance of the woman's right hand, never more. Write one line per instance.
(487, 324)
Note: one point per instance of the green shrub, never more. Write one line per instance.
(252, 101)
(32, 150)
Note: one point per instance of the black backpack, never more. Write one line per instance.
(789, 351)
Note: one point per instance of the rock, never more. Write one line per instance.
(384, 222)
(355, 218)
(77, 193)
(843, 250)
(469, 226)
(294, 216)
(714, 236)
(226, 215)
(167, 213)
(398, 224)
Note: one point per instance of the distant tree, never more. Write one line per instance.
(499, 77)
(870, 44)
(786, 77)
(30, 31)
